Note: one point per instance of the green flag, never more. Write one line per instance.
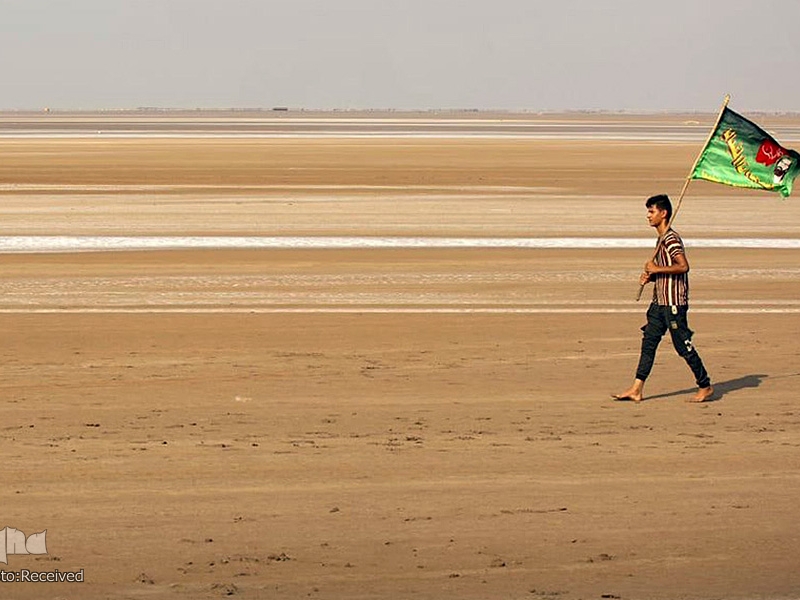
(741, 154)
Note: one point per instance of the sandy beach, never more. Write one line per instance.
(390, 422)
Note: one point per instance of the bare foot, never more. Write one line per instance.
(632, 395)
(703, 395)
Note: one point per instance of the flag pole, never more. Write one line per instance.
(686, 184)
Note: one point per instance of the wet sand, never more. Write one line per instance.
(428, 423)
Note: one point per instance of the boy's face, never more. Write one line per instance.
(656, 216)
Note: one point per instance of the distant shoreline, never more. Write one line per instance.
(440, 113)
(65, 243)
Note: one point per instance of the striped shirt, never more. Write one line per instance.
(670, 290)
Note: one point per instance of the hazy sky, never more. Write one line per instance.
(646, 55)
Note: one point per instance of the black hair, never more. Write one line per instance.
(661, 202)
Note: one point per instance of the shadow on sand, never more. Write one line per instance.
(720, 388)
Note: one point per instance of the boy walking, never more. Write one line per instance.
(669, 271)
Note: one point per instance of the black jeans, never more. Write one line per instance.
(661, 319)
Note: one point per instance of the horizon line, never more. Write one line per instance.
(442, 110)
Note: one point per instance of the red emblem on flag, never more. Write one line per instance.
(769, 153)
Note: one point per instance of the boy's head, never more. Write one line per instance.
(660, 202)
